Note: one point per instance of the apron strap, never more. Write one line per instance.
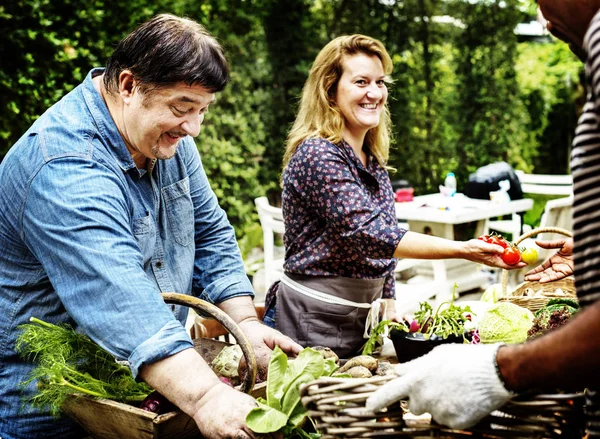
(373, 318)
(375, 307)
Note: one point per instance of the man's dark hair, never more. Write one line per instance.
(167, 50)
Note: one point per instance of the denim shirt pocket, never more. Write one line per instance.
(180, 211)
(145, 235)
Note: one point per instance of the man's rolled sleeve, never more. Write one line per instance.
(228, 287)
(169, 340)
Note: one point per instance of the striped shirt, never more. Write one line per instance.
(585, 166)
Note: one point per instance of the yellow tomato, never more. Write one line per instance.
(529, 255)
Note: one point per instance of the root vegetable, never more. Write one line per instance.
(359, 372)
(327, 353)
(156, 403)
(362, 360)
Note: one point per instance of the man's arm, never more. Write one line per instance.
(189, 383)
(567, 357)
(262, 338)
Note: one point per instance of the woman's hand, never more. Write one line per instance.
(482, 252)
(559, 266)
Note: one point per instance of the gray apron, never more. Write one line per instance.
(327, 311)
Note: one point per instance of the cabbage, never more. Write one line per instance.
(505, 322)
(227, 362)
(492, 293)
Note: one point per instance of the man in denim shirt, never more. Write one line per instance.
(104, 205)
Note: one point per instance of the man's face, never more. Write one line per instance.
(568, 20)
(155, 121)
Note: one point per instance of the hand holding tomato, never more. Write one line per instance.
(511, 255)
(495, 239)
(478, 250)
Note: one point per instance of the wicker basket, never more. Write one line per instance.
(337, 405)
(540, 293)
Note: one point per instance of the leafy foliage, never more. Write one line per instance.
(466, 91)
(70, 363)
(282, 409)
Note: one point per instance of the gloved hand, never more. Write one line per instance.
(457, 384)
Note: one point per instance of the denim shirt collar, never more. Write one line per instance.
(105, 123)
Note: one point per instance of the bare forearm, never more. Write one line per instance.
(567, 358)
(420, 246)
(240, 309)
(183, 378)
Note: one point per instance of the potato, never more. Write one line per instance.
(362, 360)
(327, 353)
(385, 368)
(359, 372)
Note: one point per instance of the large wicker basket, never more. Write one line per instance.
(534, 295)
(338, 407)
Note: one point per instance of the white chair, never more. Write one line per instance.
(543, 184)
(546, 184)
(557, 213)
(271, 221)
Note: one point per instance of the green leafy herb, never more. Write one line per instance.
(282, 409)
(448, 319)
(378, 333)
(70, 363)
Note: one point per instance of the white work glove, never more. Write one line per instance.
(457, 384)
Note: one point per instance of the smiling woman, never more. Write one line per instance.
(341, 232)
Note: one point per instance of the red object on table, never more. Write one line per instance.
(404, 194)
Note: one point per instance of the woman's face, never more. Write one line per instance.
(361, 94)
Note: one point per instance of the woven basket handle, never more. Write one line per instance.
(529, 234)
(203, 307)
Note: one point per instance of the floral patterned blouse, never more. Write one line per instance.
(339, 215)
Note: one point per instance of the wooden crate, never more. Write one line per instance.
(105, 419)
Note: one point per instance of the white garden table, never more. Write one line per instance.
(437, 215)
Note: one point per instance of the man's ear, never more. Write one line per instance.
(127, 85)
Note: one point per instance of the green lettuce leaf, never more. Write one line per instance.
(265, 419)
(276, 379)
(308, 366)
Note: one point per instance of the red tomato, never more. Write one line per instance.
(485, 238)
(499, 240)
(511, 255)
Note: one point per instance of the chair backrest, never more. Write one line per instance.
(271, 221)
(557, 213)
(546, 184)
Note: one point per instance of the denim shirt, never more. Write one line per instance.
(87, 238)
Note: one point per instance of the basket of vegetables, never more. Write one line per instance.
(77, 378)
(535, 295)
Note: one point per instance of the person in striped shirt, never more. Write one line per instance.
(477, 379)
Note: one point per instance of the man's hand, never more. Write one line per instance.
(457, 384)
(559, 266)
(264, 339)
(222, 413)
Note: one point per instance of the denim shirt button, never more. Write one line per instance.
(158, 264)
